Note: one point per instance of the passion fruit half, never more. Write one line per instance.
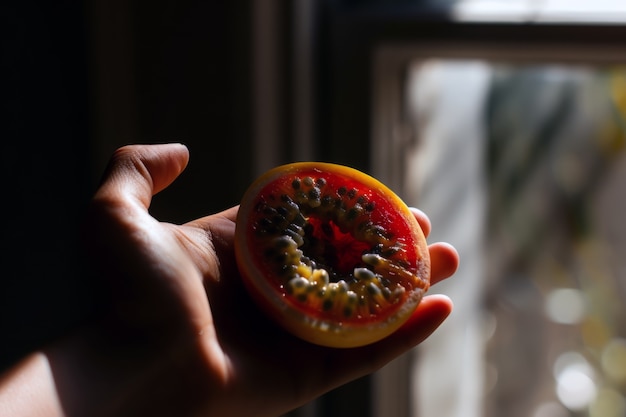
(332, 254)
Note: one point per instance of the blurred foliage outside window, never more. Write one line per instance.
(555, 344)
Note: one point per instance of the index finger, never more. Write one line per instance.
(444, 261)
(422, 219)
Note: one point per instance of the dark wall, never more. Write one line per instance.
(191, 84)
(44, 131)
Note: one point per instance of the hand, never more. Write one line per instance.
(180, 335)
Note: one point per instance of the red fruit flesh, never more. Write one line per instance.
(331, 253)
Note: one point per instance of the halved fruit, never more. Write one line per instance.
(330, 253)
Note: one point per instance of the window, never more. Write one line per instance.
(519, 157)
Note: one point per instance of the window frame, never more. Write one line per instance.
(352, 39)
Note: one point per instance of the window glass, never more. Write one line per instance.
(540, 150)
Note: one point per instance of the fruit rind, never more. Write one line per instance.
(326, 331)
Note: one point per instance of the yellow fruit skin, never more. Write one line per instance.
(289, 315)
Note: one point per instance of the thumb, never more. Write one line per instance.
(137, 172)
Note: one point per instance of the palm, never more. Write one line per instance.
(186, 291)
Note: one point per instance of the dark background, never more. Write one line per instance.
(45, 160)
(77, 83)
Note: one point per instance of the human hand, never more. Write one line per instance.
(180, 335)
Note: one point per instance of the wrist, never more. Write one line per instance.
(29, 389)
(97, 376)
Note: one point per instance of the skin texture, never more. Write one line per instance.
(179, 335)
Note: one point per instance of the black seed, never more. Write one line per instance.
(386, 293)
(352, 193)
(278, 219)
(402, 263)
(390, 251)
(300, 196)
(283, 242)
(267, 227)
(353, 213)
(314, 193)
(295, 236)
(378, 230)
(352, 297)
(299, 220)
(281, 258)
(288, 270)
(327, 304)
(320, 182)
(371, 259)
(364, 274)
(296, 183)
(268, 211)
(265, 222)
(298, 283)
(342, 190)
(293, 206)
(361, 200)
(347, 312)
(327, 200)
(265, 232)
(372, 289)
(296, 228)
(370, 206)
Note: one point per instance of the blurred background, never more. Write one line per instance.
(505, 120)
